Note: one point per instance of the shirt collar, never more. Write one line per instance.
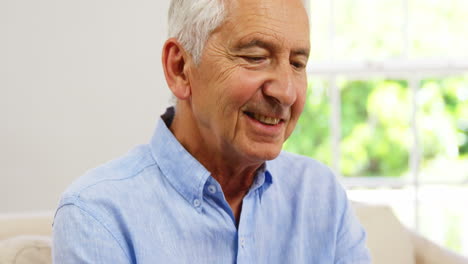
(182, 170)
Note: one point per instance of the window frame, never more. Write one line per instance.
(404, 68)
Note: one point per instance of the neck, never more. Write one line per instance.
(234, 173)
(225, 166)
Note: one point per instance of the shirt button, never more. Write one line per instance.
(212, 189)
(242, 242)
(196, 203)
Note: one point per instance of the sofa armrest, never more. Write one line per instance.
(427, 252)
(26, 250)
(36, 223)
(387, 239)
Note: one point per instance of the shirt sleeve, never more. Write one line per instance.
(79, 237)
(351, 241)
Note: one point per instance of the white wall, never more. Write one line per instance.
(80, 83)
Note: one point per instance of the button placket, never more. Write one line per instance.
(246, 231)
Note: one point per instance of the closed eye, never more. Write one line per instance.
(298, 65)
(254, 59)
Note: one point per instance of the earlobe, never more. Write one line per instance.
(174, 60)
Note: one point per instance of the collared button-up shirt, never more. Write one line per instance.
(158, 204)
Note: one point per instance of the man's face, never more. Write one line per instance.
(249, 89)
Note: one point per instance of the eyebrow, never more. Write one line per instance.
(269, 46)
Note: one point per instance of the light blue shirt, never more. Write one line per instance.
(158, 204)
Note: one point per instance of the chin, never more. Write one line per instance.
(264, 153)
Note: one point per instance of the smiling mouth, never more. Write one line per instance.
(270, 121)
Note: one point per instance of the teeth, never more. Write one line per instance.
(266, 120)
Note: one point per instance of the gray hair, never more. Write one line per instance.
(192, 21)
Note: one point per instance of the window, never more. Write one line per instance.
(387, 108)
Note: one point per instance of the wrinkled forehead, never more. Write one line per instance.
(285, 20)
(290, 12)
(233, 6)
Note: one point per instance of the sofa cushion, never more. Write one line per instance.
(26, 250)
(388, 240)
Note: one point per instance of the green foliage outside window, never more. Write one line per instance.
(376, 137)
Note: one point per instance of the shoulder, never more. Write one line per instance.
(109, 178)
(98, 202)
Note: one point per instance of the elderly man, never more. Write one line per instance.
(213, 186)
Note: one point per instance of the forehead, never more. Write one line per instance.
(283, 20)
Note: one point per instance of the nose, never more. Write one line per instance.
(280, 86)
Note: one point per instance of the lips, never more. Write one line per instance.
(267, 120)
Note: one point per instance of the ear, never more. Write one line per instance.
(174, 61)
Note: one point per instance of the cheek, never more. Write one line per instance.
(241, 87)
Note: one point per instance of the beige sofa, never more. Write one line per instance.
(25, 239)
(391, 243)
